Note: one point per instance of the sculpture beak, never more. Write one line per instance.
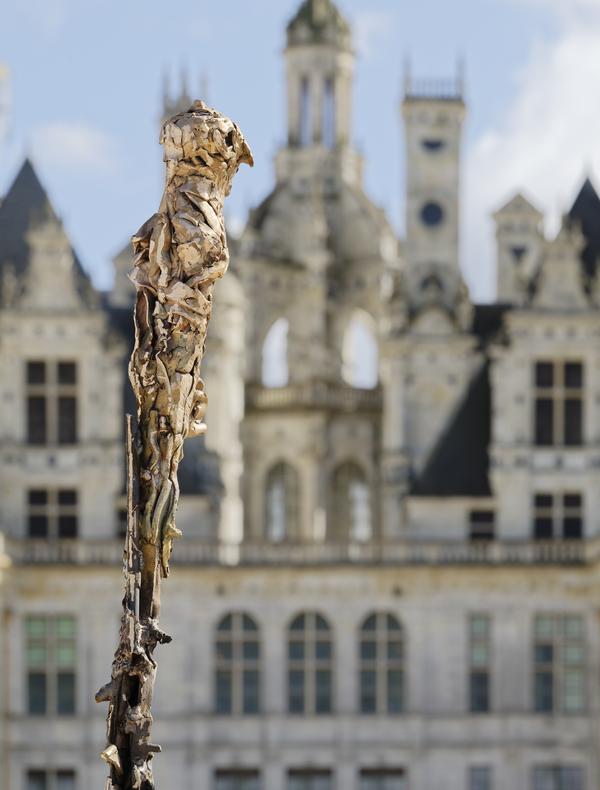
(246, 157)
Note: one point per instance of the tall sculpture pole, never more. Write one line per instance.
(179, 253)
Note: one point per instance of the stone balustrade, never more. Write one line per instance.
(192, 551)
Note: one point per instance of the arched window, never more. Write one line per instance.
(381, 660)
(281, 502)
(237, 665)
(275, 371)
(305, 114)
(360, 356)
(351, 504)
(329, 113)
(310, 665)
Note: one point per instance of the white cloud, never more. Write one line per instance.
(549, 139)
(369, 29)
(75, 146)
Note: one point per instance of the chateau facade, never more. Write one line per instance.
(389, 576)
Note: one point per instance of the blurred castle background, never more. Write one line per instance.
(389, 572)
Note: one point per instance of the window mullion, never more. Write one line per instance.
(312, 669)
(381, 669)
(52, 672)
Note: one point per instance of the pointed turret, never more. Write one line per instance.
(25, 204)
(586, 211)
(30, 230)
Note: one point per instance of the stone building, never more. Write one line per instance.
(389, 575)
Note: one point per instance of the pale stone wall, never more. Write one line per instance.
(435, 740)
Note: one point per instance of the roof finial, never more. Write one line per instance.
(183, 92)
(165, 86)
(407, 79)
(204, 86)
(460, 75)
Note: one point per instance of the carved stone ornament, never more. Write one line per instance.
(179, 253)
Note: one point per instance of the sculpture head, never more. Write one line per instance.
(201, 140)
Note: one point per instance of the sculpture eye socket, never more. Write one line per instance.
(229, 139)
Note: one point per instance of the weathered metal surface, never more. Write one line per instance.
(179, 253)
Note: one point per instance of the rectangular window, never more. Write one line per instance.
(52, 513)
(51, 654)
(51, 393)
(50, 780)
(242, 779)
(479, 663)
(481, 525)
(121, 529)
(554, 777)
(559, 664)
(558, 516)
(480, 778)
(558, 403)
(383, 779)
(309, 780)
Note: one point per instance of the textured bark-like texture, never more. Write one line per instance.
(179, 253)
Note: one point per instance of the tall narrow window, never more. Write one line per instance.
(305, 113)
(52, 513)
(51, 663)
(480, 777)
(556, 777)
(309, 779)
(559, 664)
(350, 514)
(383, 779)
(281, 502)
(479, 663)
(559, 396)
(381, 661)
(329, 113)
(275, 371)
(38, 779)
(51, 402)
(237, 779)
(558, 516)
(237, 647)
(310, 665)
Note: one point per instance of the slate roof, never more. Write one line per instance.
(459, 463)
(586, 211)
(26, 203)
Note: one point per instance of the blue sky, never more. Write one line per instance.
(86, 81)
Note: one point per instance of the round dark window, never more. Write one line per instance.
(432, 213)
